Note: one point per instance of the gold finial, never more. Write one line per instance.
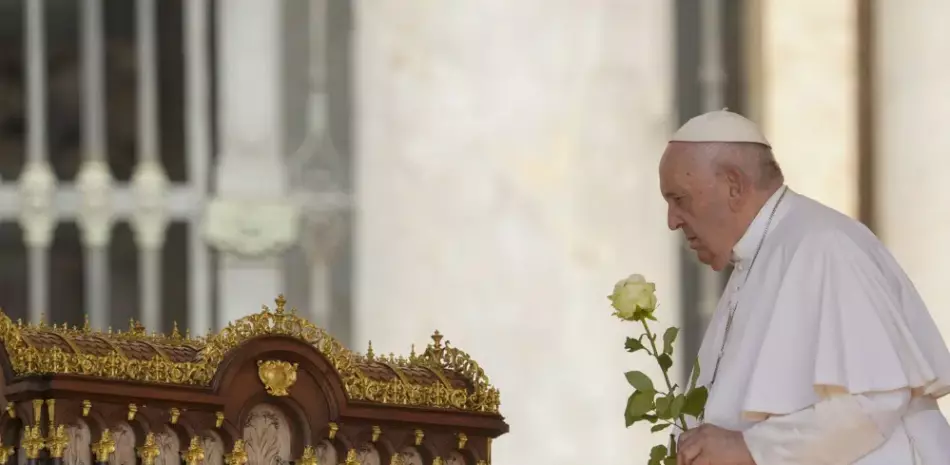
(309, 457)
(86, 407)
(412, 353)
(5, 453)
(437, 338)
(104, 447)
(376, 432)
(438, 461)
(150, 450)
(133, 409)
(420, 435)
(33, 442)
(351, 458)
(176, 335)
(85, 324)
(195, 455)
(463, 438)
(57, 441)
(136, 328)
(42, 323)
(238, 455)
(369, 352)
(11, 409)
(37, 411)
(281, 303)
(333, 429)
(174, 412)
(219, 419)
(187, 334)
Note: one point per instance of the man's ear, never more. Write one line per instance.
(737, 184)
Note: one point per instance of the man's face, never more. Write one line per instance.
(698, 202)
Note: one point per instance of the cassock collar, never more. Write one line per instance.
(743, 251)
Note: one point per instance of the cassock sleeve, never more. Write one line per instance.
(837, 430)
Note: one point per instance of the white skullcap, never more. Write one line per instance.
(720, 126)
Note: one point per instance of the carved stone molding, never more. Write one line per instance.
(250, 228)
(37, 186)
(94, 184)
(150, 219)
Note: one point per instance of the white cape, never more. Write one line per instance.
(826, 307)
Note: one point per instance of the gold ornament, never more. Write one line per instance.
(150, 450)
(195, 455)
(5, 453)
(104, 447)
(309, 457)
(238, 455)
(351, 458)
(33, 442)
(277, 375)
(57, 441)
(174, 413)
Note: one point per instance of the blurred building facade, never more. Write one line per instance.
(487, 168)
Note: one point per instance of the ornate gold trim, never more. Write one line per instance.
(479, 396)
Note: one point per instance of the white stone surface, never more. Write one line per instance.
(912, 111)
(250, 163)
(507, 178)
(809, 96)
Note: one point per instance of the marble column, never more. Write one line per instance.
(912, 106)
(805, 78)
(505, 179)
(250, 220)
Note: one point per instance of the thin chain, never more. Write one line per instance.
(732, 310)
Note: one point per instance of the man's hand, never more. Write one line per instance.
(712, 445)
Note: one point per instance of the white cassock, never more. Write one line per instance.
(832, 357)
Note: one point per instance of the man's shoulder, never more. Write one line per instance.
(811, 226)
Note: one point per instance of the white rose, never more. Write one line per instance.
(634, 298)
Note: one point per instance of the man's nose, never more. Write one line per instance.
(673, 221)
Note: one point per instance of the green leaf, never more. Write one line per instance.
(695, 401)
(638, 404)
(650, 418)
(676, 407)
(695, 376)
(628, 416)
(668, 338)
(658, 452)
(671, 460)
(640, 381)
(663, 407)
(665, 362)
(659, 427)
(633, 345)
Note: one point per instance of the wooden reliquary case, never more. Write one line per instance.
(271, 388)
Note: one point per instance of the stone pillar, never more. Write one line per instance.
(506, 177)
(251, 221)
(912, 110)
(806, 78)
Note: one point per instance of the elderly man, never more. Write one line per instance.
(820, 351)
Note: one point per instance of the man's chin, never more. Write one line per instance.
(709, 260)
